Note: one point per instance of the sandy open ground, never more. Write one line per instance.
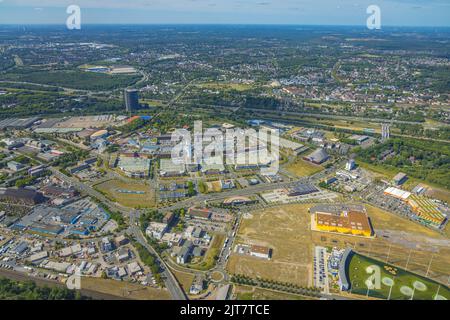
(286, 229)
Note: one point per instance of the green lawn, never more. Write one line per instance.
(209, 260)
(362, 271)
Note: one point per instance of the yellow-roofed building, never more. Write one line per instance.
(351, 222)
(427, 210)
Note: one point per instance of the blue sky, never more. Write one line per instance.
(316, 12)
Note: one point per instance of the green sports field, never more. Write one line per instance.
(379, 280)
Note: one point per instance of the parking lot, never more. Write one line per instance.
(320, 269)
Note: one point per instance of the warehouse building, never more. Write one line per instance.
(302, 189)
(216, 168)
(400, 179)
(134, 167)
(169, 168)
(50, 229)
(346, 222)
(16, 123)
(317, 157)
(21, 196)
(199, 213)
(397, 193)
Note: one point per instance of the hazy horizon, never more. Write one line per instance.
(396, 13)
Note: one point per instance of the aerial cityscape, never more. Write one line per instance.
(224, 162)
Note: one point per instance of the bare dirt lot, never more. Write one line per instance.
(250, 293)
(286, 230)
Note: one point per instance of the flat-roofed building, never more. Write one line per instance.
(121, 240)
(199, 213)
(21, 196)
(156, 229)
(302, 189)
(37, 257)
(347, 222)
(400, 178)
(359, 139)
(317, 157)
(185, 252)
(134, 268)
(15, 166)
(260, 252)
(78, 168)
(57, 266)
(213, 168)
(168, 168)
(37, 171)
(46, 228)
(123, 254)
(134, 167)
(397, 193)
(168, 217)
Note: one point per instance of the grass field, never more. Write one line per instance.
(185, 279)
(346, 124)
(117, 190)
(214, 186)
(222, 86)
(382, 219)
(154, 103)
(286, 230)
(251, 293)
(440, 194)
(377, 279)
(434, 191)
(389, 172)
(302, 168)
(124, 289)
(209, 259)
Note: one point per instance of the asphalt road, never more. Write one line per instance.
(170, 282)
